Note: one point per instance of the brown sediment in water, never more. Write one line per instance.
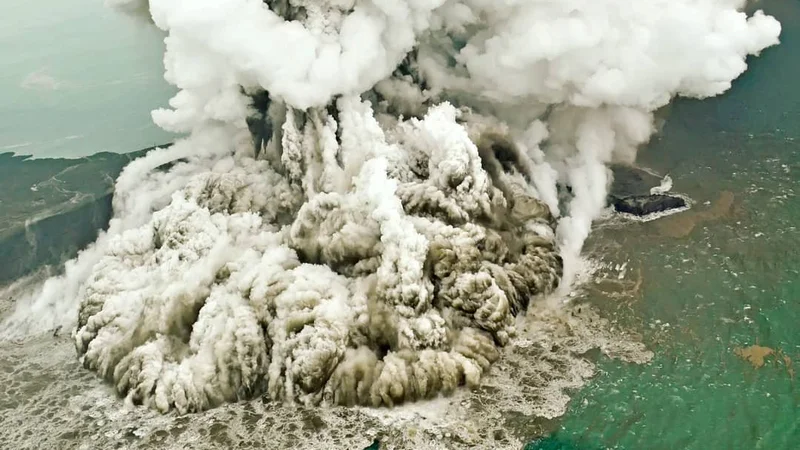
(681, 225)
(755, 354)
(782, 357)
(621, 288)
(789, 368)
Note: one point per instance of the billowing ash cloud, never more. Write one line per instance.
(372, 190)
(372, 271)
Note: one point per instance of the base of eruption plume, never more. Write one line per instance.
(278, 276)
(532, 379)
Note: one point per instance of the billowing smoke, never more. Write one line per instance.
(371, 190)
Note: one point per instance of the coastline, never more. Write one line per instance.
(54, 208)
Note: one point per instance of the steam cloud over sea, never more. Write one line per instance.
(372, 192)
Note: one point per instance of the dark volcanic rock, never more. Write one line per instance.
(642, 205)
(630, 192)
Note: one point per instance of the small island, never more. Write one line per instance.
(644, 205)
(640, 193)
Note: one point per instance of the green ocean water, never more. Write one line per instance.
(732, 282)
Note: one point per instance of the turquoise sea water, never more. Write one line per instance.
(77, 78)
(730, 283)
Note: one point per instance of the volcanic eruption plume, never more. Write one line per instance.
(372, 190)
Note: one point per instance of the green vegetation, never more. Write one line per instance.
(52, 208)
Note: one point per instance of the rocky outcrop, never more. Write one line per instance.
(643, 205)
(631, 193)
